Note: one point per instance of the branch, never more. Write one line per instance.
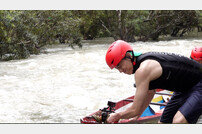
(107, 29)
(105, 26)
(157, 17)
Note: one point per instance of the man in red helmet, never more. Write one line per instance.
(159, 70)
(196, 54)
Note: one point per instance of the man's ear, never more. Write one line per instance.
(128, 55)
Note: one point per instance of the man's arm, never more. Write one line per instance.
(140, 99)
(148, 70)
(149, 97)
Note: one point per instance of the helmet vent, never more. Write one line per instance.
(112, 61)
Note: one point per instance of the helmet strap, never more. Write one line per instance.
(132, 60)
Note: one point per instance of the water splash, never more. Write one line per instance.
(65, 85)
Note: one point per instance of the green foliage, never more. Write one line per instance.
(90, 26)
(25, 32)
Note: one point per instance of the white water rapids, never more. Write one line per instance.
(65, 85)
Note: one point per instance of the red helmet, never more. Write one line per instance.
(196, 53)
(116, 52)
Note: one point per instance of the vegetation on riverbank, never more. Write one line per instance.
(25, 32)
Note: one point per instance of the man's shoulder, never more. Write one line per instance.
(144, 69)
(149, 64)
(148, 68)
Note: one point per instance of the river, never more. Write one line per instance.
(64, 85)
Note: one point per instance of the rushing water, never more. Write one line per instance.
(65, 85)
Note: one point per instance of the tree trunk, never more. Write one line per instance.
(119, 24)
(175, 32)
(183, 32)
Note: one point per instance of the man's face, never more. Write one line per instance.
(125, 66)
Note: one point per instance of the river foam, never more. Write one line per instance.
(64, 85)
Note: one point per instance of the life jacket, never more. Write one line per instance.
(179, 73)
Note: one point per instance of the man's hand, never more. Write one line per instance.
(114, 117)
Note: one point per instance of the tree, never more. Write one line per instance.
(26, 32)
